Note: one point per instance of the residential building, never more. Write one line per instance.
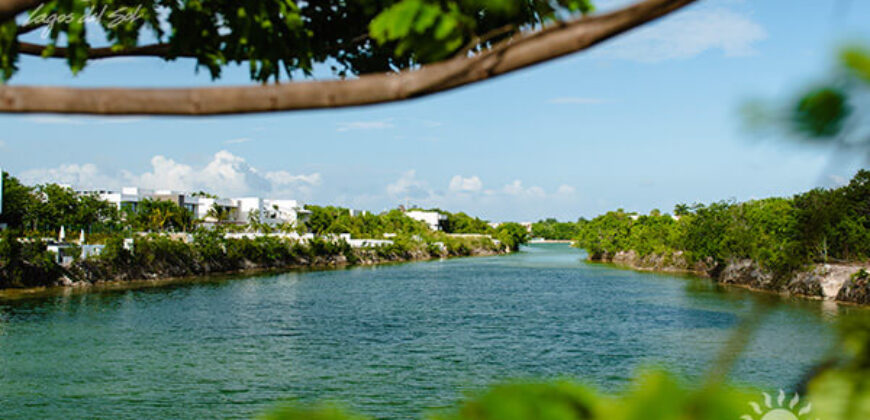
(208, 208)
(433, 219)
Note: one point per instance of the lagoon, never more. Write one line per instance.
(390, 341)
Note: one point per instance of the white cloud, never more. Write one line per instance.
(238, 140)
(286, 178)
(574, 100)
(408, 186)
(87, 175)
(364, 125)
(226, 174)
(2, 143)
(565, 189)
(516, 188)
(469, 185)
(687, 34)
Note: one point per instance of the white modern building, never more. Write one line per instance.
(434, 219)
(209, 208)
(271, 212)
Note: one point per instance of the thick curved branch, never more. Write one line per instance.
(11, 8)
(507, 56)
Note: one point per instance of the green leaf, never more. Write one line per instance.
(8, 50)
(857, 59)
(821, 112)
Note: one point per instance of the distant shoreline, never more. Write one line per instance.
(550, 241)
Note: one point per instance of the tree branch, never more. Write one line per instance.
(155, 50)
(11, 8)
(510, 55)
(29, 27)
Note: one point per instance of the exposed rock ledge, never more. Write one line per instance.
(822, 281)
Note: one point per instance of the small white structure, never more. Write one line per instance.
(91, 250)
(368, 243)
(433, 219)
(65, 253)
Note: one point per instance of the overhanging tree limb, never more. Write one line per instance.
(11, 8)
(151, 50)
(510, 55)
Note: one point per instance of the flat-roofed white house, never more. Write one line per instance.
(434, 219)
(271, 211)
(207, 208)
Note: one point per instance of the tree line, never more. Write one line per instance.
(781, 234)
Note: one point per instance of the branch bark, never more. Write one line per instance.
(510, 55)
(11, 8)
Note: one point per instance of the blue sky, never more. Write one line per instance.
(644, 121)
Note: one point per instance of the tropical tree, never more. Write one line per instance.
(433, 45)
(512, 235)
(18, 202)
(218, 213)
(160, 215)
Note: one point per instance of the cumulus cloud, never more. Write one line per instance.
(286, 178)
(225, 174)
(70, 174)
(364, 125)
(565, 189)
(286, 184)
(460, 184)
(687, 34)
(516, 188)
(408, 186)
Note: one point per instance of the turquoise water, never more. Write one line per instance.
(391, 341)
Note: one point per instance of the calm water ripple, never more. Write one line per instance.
(390, 341)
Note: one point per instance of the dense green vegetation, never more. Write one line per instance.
(781, 234)
(43, 209)
(326, 220)
(554, 229)
(47, 207)
(335, 220)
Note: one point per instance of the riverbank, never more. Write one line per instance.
(65, 287)
(158, 257)
(843, 282)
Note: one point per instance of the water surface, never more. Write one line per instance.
(391, 341)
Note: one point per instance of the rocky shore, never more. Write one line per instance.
(93, 272)
(835, 281)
